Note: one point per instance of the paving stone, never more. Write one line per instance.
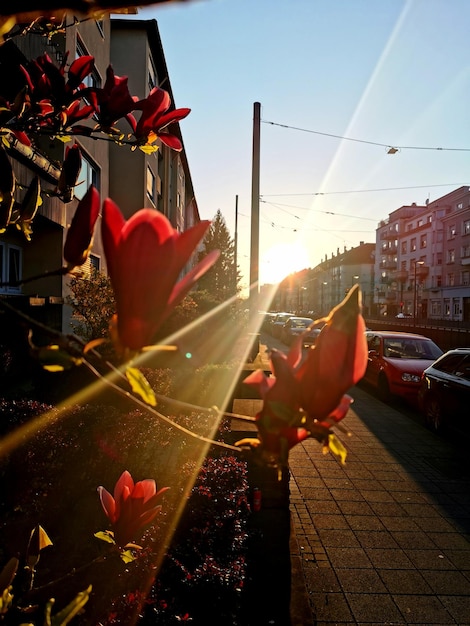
(383, 558)
(404, 581)
(458, 607)
(348, 557)
(447, 582)
(425, 609)
(373, 608)
(376, 539)
(360, 581)
(330, 607)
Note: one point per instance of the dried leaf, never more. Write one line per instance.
(337, 448)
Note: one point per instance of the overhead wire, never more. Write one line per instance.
(329, 193)
(393, 146)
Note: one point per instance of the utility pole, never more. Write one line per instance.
(235, 247)
(254, 250)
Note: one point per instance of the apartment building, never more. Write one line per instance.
(316, 291)
(44, 298)
(160, 180)
(133, 179)
(423, 259)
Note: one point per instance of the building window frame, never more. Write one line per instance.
(151, 185)
(11, 267)
(90, 174)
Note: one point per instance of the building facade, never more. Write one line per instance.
(423, 260)
(133, 179)
(161, 180)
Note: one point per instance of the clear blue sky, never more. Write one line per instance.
(393, 72)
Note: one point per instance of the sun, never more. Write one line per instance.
(281, 260)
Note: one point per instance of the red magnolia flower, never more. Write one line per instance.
(132, 507)
(280, 419)
(306, 399)
(145, 257)
(69, 173)
(337, 361)
(115, 101)
(155, 118)
(80, 234)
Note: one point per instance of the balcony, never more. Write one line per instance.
(422, 271)
(389, 265)
(401, 276)
(388, 234)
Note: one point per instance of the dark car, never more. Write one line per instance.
(293, 328)
(278, 322)
(396, 362)
(444, 396)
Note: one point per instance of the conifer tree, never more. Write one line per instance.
(222, 280)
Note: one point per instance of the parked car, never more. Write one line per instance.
(311, 337)
(396, 362)
(444, 396)
(293, 327)
(402, 316)
(278, 322)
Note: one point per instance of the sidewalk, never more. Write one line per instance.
(386, 538)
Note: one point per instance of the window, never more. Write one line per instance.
(93, 79)
(450, 279)
(465, 251)
(152, 74)
(420, 223)
(150, 184)
(438, 280)
(11, 267)
(466, 227)
(423, 241)
(466, 278)
(451, 232)
(89, 175)
(456, 307)
(436, 308)
(95, 261)
(413, 244)
(450, 256)
(404, 247)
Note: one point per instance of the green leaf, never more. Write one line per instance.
(105, 535)
(337, 448)
(141, 386)
(74, 607)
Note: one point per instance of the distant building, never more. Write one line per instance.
(423, 259)
(316, 291)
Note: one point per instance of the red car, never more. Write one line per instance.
(396, 362)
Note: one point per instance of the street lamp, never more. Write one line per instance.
(415, 303)
(322, 290)
(353, 279)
